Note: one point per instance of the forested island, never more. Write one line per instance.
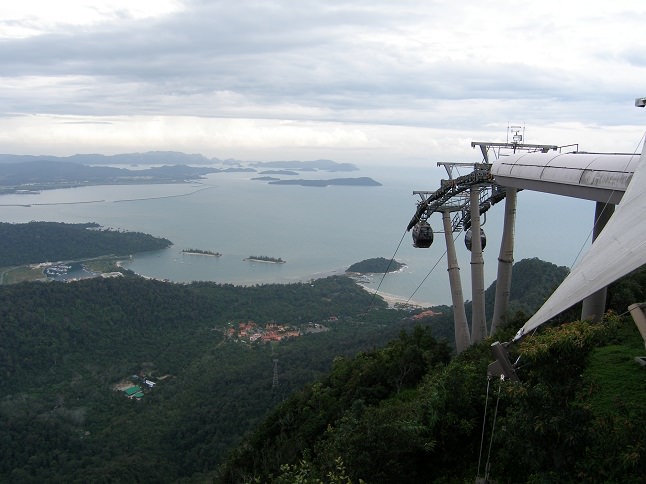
(201, 252)
(378, 265)
(264, 258)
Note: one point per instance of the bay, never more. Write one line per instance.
(317, 230)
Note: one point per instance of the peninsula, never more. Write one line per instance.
(27, 250)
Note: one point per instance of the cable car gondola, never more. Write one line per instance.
(469, 235)
(422, 235)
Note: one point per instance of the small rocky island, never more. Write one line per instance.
(201, 252)
(264, 258)
(377, 265)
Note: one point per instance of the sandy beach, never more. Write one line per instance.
(394, 300)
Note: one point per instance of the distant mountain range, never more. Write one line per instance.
(32, 173)
(178, 158)
(33, 176)
(147, 158)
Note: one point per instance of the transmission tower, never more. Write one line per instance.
(274, 383)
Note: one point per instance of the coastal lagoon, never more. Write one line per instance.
(318, 231)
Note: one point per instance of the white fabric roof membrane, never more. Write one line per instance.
(619, 249)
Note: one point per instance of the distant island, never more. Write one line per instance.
(200, 252)
(278, 172)
(264, 258)
(378, 265)
(34, 176)
(265, 178)
(363, 181)
(179, 158)
(314, 165)
(25, 174)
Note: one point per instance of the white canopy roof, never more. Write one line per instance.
(619, 249)
(592, 176)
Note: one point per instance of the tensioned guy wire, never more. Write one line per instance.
(374, 294)
(432, 269)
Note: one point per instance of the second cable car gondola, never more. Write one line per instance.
(469, 235)
(422, 235)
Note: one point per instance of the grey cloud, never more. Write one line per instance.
(267, 54)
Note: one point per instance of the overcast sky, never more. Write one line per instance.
(387, 82)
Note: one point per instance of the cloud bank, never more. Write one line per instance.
(353, 80)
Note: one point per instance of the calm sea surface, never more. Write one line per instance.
(318, 231)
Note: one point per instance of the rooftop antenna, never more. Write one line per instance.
(517, 135)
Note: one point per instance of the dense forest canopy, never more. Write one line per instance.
(64, 348)
(404, 414)
(532, 280)
(36, 242)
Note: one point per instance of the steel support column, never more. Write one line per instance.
(505, 261)
(462, 338)
(594, 306)
(478, 317)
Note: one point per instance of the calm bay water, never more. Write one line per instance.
(318, 231)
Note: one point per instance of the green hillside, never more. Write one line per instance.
(531, 280)
(65, 347)
(578, 414)
(36, 242)
(323, 380)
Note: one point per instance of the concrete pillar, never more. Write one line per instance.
(478, 316)
(462, 338)
(637, 313)
(505, 261)
(594, 306)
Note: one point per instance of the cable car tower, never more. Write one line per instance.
(463, 201)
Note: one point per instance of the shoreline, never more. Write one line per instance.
(393, 300)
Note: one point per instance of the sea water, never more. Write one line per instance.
(318, 231)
